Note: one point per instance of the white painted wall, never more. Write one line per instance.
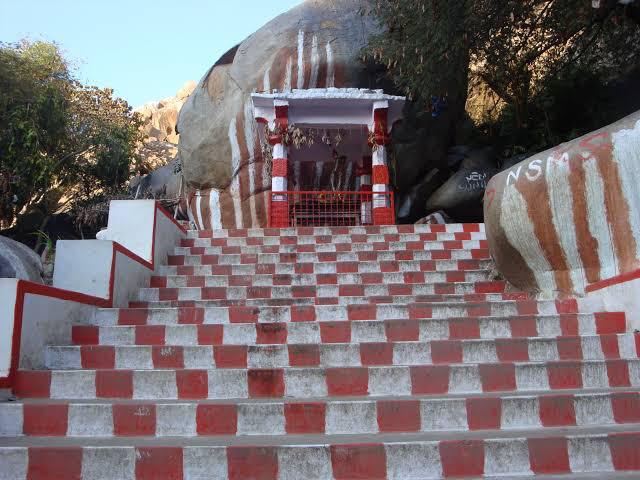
(131, 225)
(8, 289)
(624, 297)
(84, 266)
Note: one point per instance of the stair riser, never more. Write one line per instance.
(334, 231)
(344, 354)
(334, 295)
(423, 460)
(213, 277)
(210, 292)
(328, 313)
(361, 417)
(467, 245)
(321, 382)
(356, 332)
(331, 239)
(439, 262)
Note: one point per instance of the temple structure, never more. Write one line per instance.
(318, 139)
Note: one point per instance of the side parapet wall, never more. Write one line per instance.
(567, 221)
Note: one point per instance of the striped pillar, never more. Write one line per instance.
(382, 210)
(363, 180)
(279, 211)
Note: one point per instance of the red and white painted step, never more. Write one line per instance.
(331, 353)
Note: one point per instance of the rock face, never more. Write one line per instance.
(568, 220)
(316, 44)
(161, 118)
(19, 261)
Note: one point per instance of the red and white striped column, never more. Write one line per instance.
(363, 180)
(382, 210)
(279, 168)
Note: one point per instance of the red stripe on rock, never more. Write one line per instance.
(609, 345)
(60, 463)
(98, 357)
(159, 462)
(362, 312)
(304, 418)
(114, 384)
(343, 381)
(243, 314)
(352, 462)
(45, 420)
(252, 462)
(498, 377)
(557, 411)
(136, 420)
(462, 458)
(548, 455)
(569, 325)
(484, 413)
(266, 382)
(527, 307)
(216, 419)
(192, 384)
(417, 311)
(429, 379)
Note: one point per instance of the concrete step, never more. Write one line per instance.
(480, 291)
(297, 275)
(334, 231)
(217, 315)
(311, 382)
(139, 357)
(332, 239)
(301, 258)
(613, 455)
(491, 328)
(161, 419)
(282, 296)
(464, 245)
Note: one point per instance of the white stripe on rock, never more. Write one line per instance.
(236, 158)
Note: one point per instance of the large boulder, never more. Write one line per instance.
(567, 221)
(316, 44)
(19, 261)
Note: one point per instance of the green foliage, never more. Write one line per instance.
(528, 52)
(61, 141)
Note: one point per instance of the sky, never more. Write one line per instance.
(145, 50)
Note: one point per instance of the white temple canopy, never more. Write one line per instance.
(328, 107)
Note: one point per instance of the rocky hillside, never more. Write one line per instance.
(161, 117)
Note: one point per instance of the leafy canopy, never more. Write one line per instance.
(62, 142)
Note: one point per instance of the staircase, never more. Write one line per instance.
(346, 353)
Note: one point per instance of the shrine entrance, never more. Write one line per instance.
(328, 156)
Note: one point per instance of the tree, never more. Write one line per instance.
(61, 142)
(516, 47)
